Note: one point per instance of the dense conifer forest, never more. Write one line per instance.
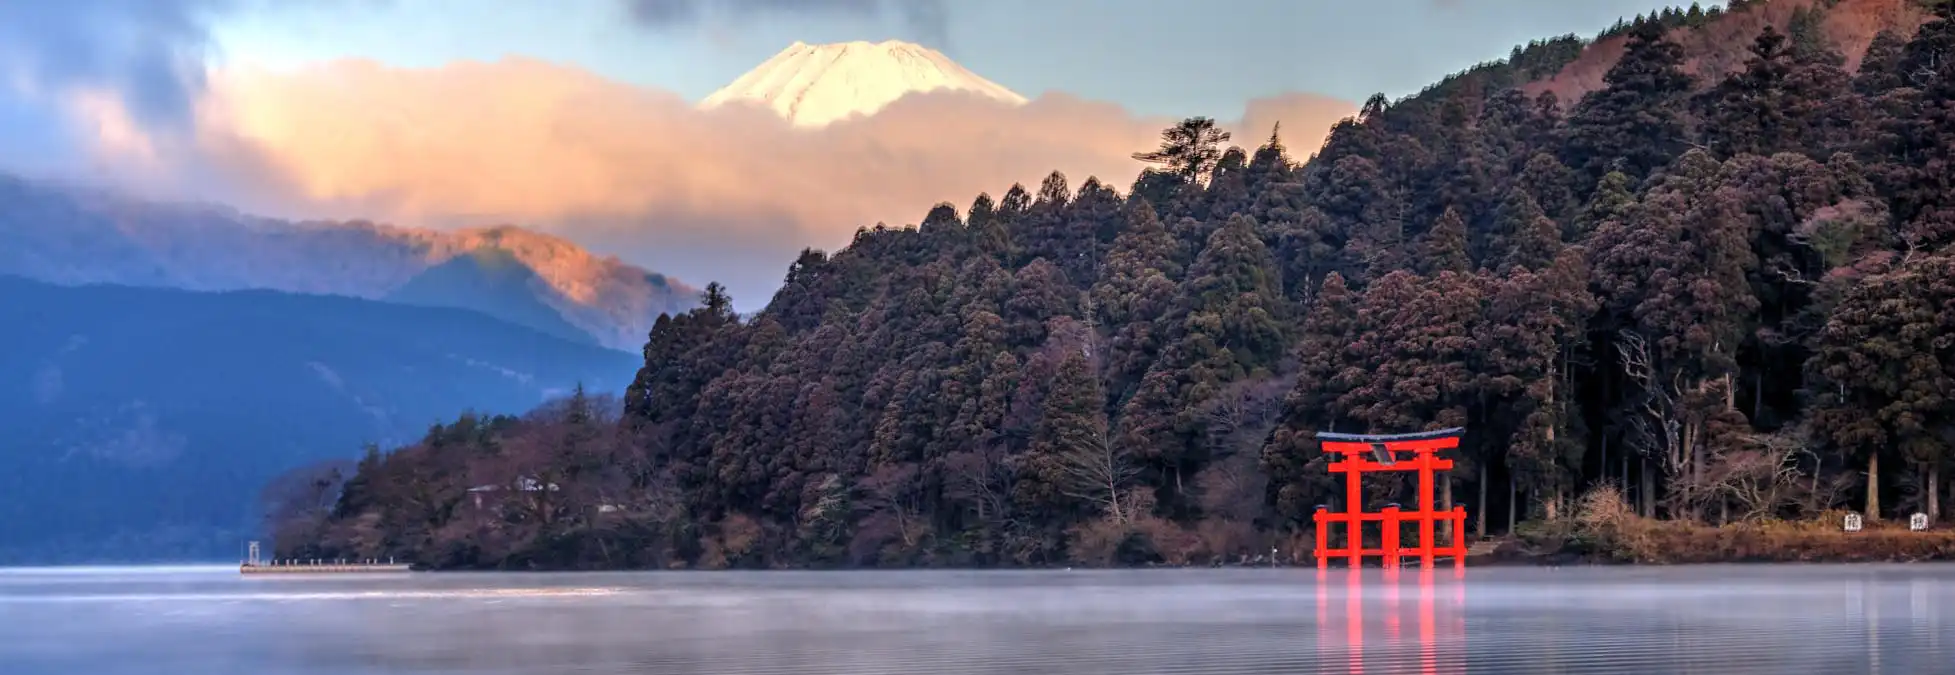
(1726, 299)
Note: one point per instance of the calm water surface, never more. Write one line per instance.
(1729, 619)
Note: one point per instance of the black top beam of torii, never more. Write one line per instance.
(1389, 438)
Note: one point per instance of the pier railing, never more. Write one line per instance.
(321, 566)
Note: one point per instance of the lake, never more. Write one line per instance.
(1715, 619)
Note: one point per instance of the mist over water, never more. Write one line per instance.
(1725, 619)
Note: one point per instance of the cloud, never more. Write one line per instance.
(150, 52)
(927, 20)
(727, 194)
(85, 84)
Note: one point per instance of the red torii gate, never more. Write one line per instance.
(1370, 453)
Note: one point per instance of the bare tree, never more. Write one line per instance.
(1241, 414)
(1233, 488)
(1759, 479)
(1101, 473)
(296, 503)
(1670, 422)
(983, 479)
(659, 498)
(894, 492)
(1652, 429)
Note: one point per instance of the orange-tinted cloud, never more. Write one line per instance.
(641, 172)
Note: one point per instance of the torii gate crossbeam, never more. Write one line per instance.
(1364, 453)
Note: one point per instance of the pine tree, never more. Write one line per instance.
(1445, 246)
(1270, 165)
(1550, 184)
(1882, 379)
(1046, 233)
(1071, 455)
(1921, 153)
(1526, 238)
(1226, 325)
(1880, 67)
(1746, 113)
(1609, 200)
(1189, 150)
(1292, 458)
(1806, 35)
(1673, 272)
(1134, 293)
(1638, 118)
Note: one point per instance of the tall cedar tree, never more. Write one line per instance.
(1728, 296)
(1636, 122)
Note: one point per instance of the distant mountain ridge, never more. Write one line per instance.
(139, 423)
(817, 85)
(491, 281)
(71, 236)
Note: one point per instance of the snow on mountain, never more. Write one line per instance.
(815, 85)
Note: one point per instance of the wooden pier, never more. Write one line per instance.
(253, 565)
(322, 567)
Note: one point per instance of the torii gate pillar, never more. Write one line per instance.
(1395, 452)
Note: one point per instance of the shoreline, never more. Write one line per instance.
(1476, 562)
(1603, 532)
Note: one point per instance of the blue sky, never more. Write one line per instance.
(1165, 57)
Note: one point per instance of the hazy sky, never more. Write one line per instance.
(575, 116)
(1157, 57)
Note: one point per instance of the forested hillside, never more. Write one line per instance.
(1732, 297)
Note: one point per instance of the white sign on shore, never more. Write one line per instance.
(1852, 523)
(1917, 522)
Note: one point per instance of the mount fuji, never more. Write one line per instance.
(817, 85)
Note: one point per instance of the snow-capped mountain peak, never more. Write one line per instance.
(815, 85)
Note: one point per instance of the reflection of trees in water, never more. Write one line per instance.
(1768, 620)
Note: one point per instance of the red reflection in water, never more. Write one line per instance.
(1441, 623)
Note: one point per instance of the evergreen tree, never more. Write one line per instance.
(1880, 67)
(1526, 238)
(1071, 435)
(1638, 117)
(1134, 293)
(1920, 153)
(1737, 331)
(1048, 228)
(1806, 38)
(1883, 376)
(1673, 274)
(1550, 184)
(1445, 246)
(1189, 150)
(1611, 199)
(1291, 458)
(1226, 325)
(1270, 165)
(942, 222)
(1747, 113)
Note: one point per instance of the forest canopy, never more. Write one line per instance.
(1730, 298)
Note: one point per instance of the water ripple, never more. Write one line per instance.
(1812, 619)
